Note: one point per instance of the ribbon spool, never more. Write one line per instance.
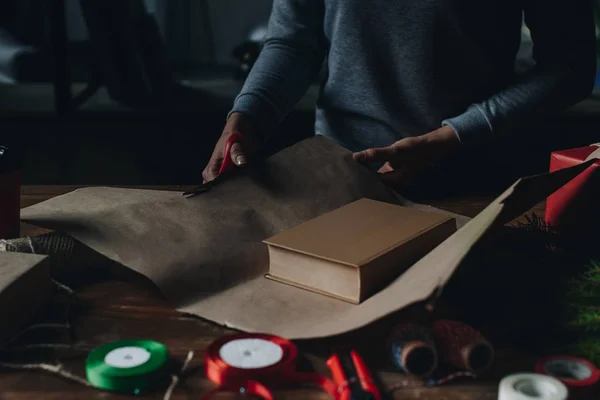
(129, 366)
(462, 346)
(531, 387)
(256, 363)
(412, 350)
(579, 375)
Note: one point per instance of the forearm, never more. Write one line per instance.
(278, 80)
(564, 51)
(289, 62)
(540, 93)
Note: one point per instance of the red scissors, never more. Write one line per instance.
(352, 377)
(227, 166)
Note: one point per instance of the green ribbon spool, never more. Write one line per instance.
(128, 366)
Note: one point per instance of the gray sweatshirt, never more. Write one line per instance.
(399, 68)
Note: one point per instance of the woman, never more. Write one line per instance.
(409, 82)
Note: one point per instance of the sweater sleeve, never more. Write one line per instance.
(290, 60)
(563, 35)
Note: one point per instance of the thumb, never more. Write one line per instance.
(374, 155)
(238, 155)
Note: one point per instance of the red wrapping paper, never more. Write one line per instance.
(9, 204)
(575, 205)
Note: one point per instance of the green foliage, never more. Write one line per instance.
(586, 287)
(585, 319)
(583, 315)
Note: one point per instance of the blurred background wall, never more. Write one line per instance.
(230, 22)
(198, 33)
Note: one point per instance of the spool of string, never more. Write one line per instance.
(59, 370)
(412, 350)
(11, 352)
(65, 254)
(461, 346)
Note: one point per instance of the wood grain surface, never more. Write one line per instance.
(116, 310)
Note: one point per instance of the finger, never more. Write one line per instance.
(211, 171)
(238, 155)
(374, 155)
(387, 167)
(206, 176)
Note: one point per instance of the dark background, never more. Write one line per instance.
(106, 142)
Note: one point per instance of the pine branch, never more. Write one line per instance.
(534, 221)
(586, 285)
(593, 274)
(586, 320)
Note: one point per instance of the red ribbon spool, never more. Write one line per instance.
(580, 376)
(259, 381)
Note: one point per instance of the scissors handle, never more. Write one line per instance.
(352, 376)
(228, 163)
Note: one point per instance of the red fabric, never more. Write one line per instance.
(10, 192)
(575, 205)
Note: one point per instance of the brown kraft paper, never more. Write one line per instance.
(206, 254)
(25, 287)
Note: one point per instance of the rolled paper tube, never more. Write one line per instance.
(412, 350)
(462, 346)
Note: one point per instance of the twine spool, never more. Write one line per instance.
(10, 192)
(412, 350)
(462, 346)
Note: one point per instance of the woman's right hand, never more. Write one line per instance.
(240, 151)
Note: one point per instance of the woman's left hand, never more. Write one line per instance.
(405, 158)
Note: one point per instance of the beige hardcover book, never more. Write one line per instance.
(356, 250)
(25, 286)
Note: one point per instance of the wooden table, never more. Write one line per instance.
(123, 310)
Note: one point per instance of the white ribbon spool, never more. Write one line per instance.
(532, 387)
(251, 353)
